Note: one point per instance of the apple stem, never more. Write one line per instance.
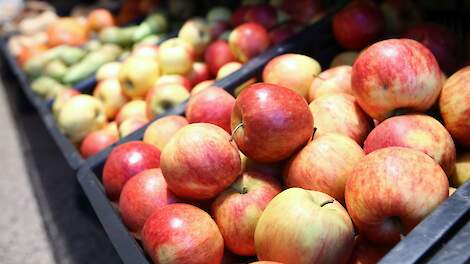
(327, 202)
(243, 190)
(314, 130)
(235, 130)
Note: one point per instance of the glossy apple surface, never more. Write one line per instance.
(96, 141)
(248, 41)
(199, 73)
(331, 81)
(137, 75)
(162, 98)
(160, 131)
(217, 55)
(176, 56)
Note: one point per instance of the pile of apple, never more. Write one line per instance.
(155, 78)
(305, 167)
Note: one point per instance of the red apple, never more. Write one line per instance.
(142, 195)
(454, 104)
(270, 122)
(132, 109)
(303, 11)
(324, 165)
(96, 141)
(262, 14)
(237, 210)
(391, 190)
(340, 113)
(174, 79)
(301, 226)
(418, 132)
(124, 162)
(199, 73)
(160, 131)
(182, 233)
(293, 71)
(248, 41)
(358, 24)
(366, 252)
(395, 76)
(200, 161)
(332, 81)
(218, 54)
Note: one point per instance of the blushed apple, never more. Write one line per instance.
(248, 41)
(160, 131)
(63, 96)
(197, 33)
(332, 81)
(366, 252)
(218, 54)
(162, 98)
(199, 73)
(176, 56)
(131, 125)
(344, 58)
(137, 75)
(96, 141)
(201, 86)
(462, 170)
(174, 79)
(110, 93)
(146, 50)
(109, 70)
(132, 109)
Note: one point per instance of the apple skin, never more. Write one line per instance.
(230, 68)
(109, 70)
(237, 210)
(137, 75)
(462, 170)
(182, 233)
(391, 190)
(324, 165)
(63, 96)
(200, 161)
(365, 252)
(266, 262)
(199, 73)
(124, 162)
(395, 75)
(174, 79)
(293, 71)
(344, 58)
(340, 113)
(217, 55)
(262, 14)
(358, 24)
(309, 222)
(146, 50)
(95, 142)
(109, 91)
(416, 131)
(132, 109)
(99, 18)
(276, 122)
(196, 32)
(212, 105)
(201, 86)
(454, 104)
(162, 98)
(332, 81)
(248, 41)
(176, 56)
(142, 195)
(160, 131)
(131, 125)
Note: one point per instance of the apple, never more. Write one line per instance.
(454, 104)
(63, 96)
(131, 125)
(99, 18)
(332, 81)
(80, 115)
(146, 50)
(395, 76)
(272, 169)
(239, 16)
(262, 14)
(237, 210)
(109, 70)
(212, 105)
(391, 190)
(366, 252)
(160, 131)
(142, 195)
(218, 54)
(182, 233)
(340, 113)
(137, 75)
(248, 41)
(344, 58)
(162, 98)
(230, 68)
(303, 11)
(110, 93)
(358, 24)
(282, 32)
(416, 131)
(197, 33)
(174, 79)
(219, 13)
(132, 109)
(443, 44)
(270, 122)
(299, 225)
(176, 56)
(324, 165)
(462, 170)
(124, 162)
(400, 14)
(218, 28)
(200, 161)
(96, 141)
(293, 71)
(199, 73)
(201, 86)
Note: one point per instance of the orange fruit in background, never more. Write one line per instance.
(100, 18)
(67, 30)
(27, 52)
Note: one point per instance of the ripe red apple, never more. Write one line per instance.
(200, 161)
(420, 132)
(391, 190)
(358, 24)
(270, 122)
(248, 41)
(340, 113)
(332, 81)
(262, 14)
(303, 11)
(302, 226)
(324, 165)
(344, 58)
(443, 44)
(96, 141)
(395, 76)
(182, 233)
(132, 109)
(174, 79)
(199, 73)
(237, 210)
(218, 54)
(109, 91)
(400, 14)
(124, 162)
(293, 71)
(160, 131)
(366, 252)
(142, 195)
(454, 104)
